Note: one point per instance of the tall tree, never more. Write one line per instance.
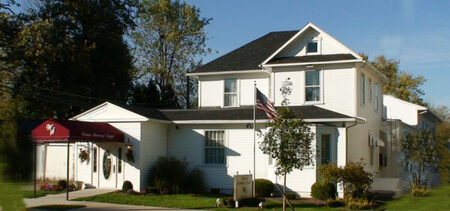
(401, 84)
(169, 38)
(288, 140)
(69, 55)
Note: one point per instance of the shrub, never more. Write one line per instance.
(62, 184)
(323, 190)
(153, 190)
(228, 201)
(127, 185)
(291, 196)
(357, 203)
(170, 175)
(420, 192)
(263, 187)
(335, 203)
(250, 202)
(355, 180)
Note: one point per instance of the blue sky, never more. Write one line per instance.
(415, 32)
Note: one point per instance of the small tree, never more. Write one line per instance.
(419, 157)
(288, 140)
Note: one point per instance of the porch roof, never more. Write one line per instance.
(56, 130)
(246, 113)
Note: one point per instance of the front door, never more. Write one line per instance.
(107, 166)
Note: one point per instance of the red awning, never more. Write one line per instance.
(55, 130)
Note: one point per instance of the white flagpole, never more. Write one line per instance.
(254, 141)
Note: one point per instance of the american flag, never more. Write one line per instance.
(263, 104)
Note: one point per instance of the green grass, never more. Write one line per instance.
(10, 194)
(439, 199)
(185, 201)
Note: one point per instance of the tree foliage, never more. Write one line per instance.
(64, 54)
(168, 38)
(402, 85)
(419, 157)
(443, 142)
(288, 140)
(353, 177)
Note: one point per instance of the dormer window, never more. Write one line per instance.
(312, 47)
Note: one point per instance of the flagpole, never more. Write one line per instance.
(254, 140)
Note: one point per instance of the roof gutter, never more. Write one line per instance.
(228, 72)
(311, 63)
(356, 119)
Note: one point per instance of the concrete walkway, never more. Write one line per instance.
(53, 199)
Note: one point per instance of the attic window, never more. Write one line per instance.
(312, 47)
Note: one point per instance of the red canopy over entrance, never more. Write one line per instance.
(55, 130)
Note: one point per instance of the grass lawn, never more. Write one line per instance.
(186, 201)
(439, 199)
(11, 196)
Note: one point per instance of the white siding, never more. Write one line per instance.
(56, 162)
(153, 145)
(338, 90)
(211, 88)
(297, 77)
(211, 93)
(131, 171)
(402, 110)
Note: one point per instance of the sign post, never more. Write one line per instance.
(242, 187)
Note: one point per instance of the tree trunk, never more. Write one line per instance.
(284, 193)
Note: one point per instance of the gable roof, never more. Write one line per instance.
(266, 51)
(310, 112)
(249, 56)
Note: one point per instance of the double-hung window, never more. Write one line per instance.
(214, 147)
(376, 97)
(363, 89)
(230, 93)
(312, 86)
(370, 89)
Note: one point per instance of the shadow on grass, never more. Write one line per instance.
(58, 207)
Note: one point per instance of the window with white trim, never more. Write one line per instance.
(230, 93)
(214, 147)
(370, 89)
(363, 89)
(376, 97)
(314, 46)
(325, 149)
(312, 86)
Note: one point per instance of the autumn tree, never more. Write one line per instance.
(402, 85)
(288, 140)
(168, 40)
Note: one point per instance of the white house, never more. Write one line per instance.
(334, 89)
